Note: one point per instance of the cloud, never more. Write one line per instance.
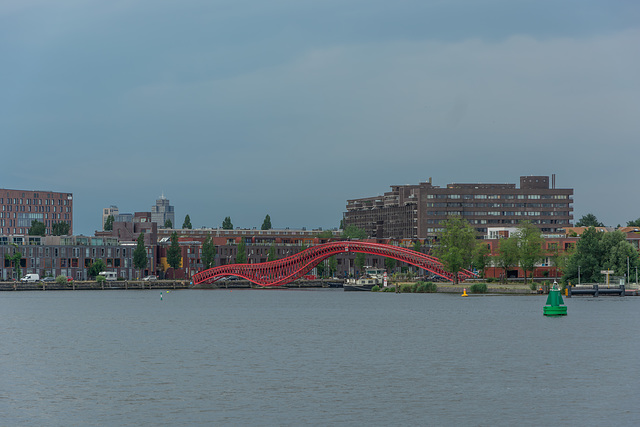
(251, 107)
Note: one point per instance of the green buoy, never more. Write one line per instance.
(555, 305)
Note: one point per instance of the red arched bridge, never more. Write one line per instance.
(285, 270)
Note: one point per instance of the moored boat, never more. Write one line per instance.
(364, 283)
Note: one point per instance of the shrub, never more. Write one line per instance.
(533, 286)
(429, 287)
(376, 288)
(406, 288)
(101, 279)
(491, 280)
(479, 288)
(389, 289)
(61, 280)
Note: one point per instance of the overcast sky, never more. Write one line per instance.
(244, 108)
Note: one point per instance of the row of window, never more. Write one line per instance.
(9, 208)
(497, 213)
(11, 201)
(494, 205)
(68, 262)
(25, 223)
(497, 196)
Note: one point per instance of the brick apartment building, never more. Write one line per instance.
(69, 256)
(18, 208)
(418, 211)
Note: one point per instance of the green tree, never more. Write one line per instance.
(456, 243)
(226, 224)
(325, 234)
(417, 246)
(108, 223)
(359, 261)
(208, 253)
(589, 220)
(508, 255)
(37, 228)
(60, 228)
(96, 268)
(266, 224)
(341, 225)
(353, 232)
(635, 223)
(616, 249)
(596, 251)
(174, 253)
(140, 255)
(480, 257)
(586, 260)
(529, 247)
(559, 259)
(241, 254)
(15, 259)
(390, 264)
(333, 265)
(271, 256)
(168, 223)
(320, 269)
(187, 222)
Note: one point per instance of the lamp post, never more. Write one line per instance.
(628, 277)
(578, 275)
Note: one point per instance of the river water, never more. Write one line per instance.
(315, 357)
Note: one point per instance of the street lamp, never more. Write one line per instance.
(578, 275)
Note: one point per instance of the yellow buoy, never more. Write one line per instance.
(464, 292)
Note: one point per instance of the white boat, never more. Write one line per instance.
(364, 283)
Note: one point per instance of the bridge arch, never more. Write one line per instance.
(285, 270)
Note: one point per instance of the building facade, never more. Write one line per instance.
(69, 256)
(162, 211)
(18, 208)
(107, 212)
(419, 211)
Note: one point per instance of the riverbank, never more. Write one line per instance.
(443, 287)
(94, 286)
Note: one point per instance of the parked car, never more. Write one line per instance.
(150, 278)
(69, 279)
(48, 279)
(31, 278)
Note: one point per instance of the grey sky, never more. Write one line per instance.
(290, 107)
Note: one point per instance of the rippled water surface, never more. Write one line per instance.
(315, 357)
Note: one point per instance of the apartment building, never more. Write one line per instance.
(418, 211)
(18, 208)
(66, 255)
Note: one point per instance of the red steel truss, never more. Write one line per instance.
(285, 270)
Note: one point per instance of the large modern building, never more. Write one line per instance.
(418, 211)
(18, 208)
(69, 256)
(162, 211)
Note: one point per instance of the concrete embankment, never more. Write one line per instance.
(245, 284)
(444, 287)
(92, 285)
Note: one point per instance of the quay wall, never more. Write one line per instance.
(93, 285)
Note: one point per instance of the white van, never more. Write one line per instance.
(109, 275)
(31, 277)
